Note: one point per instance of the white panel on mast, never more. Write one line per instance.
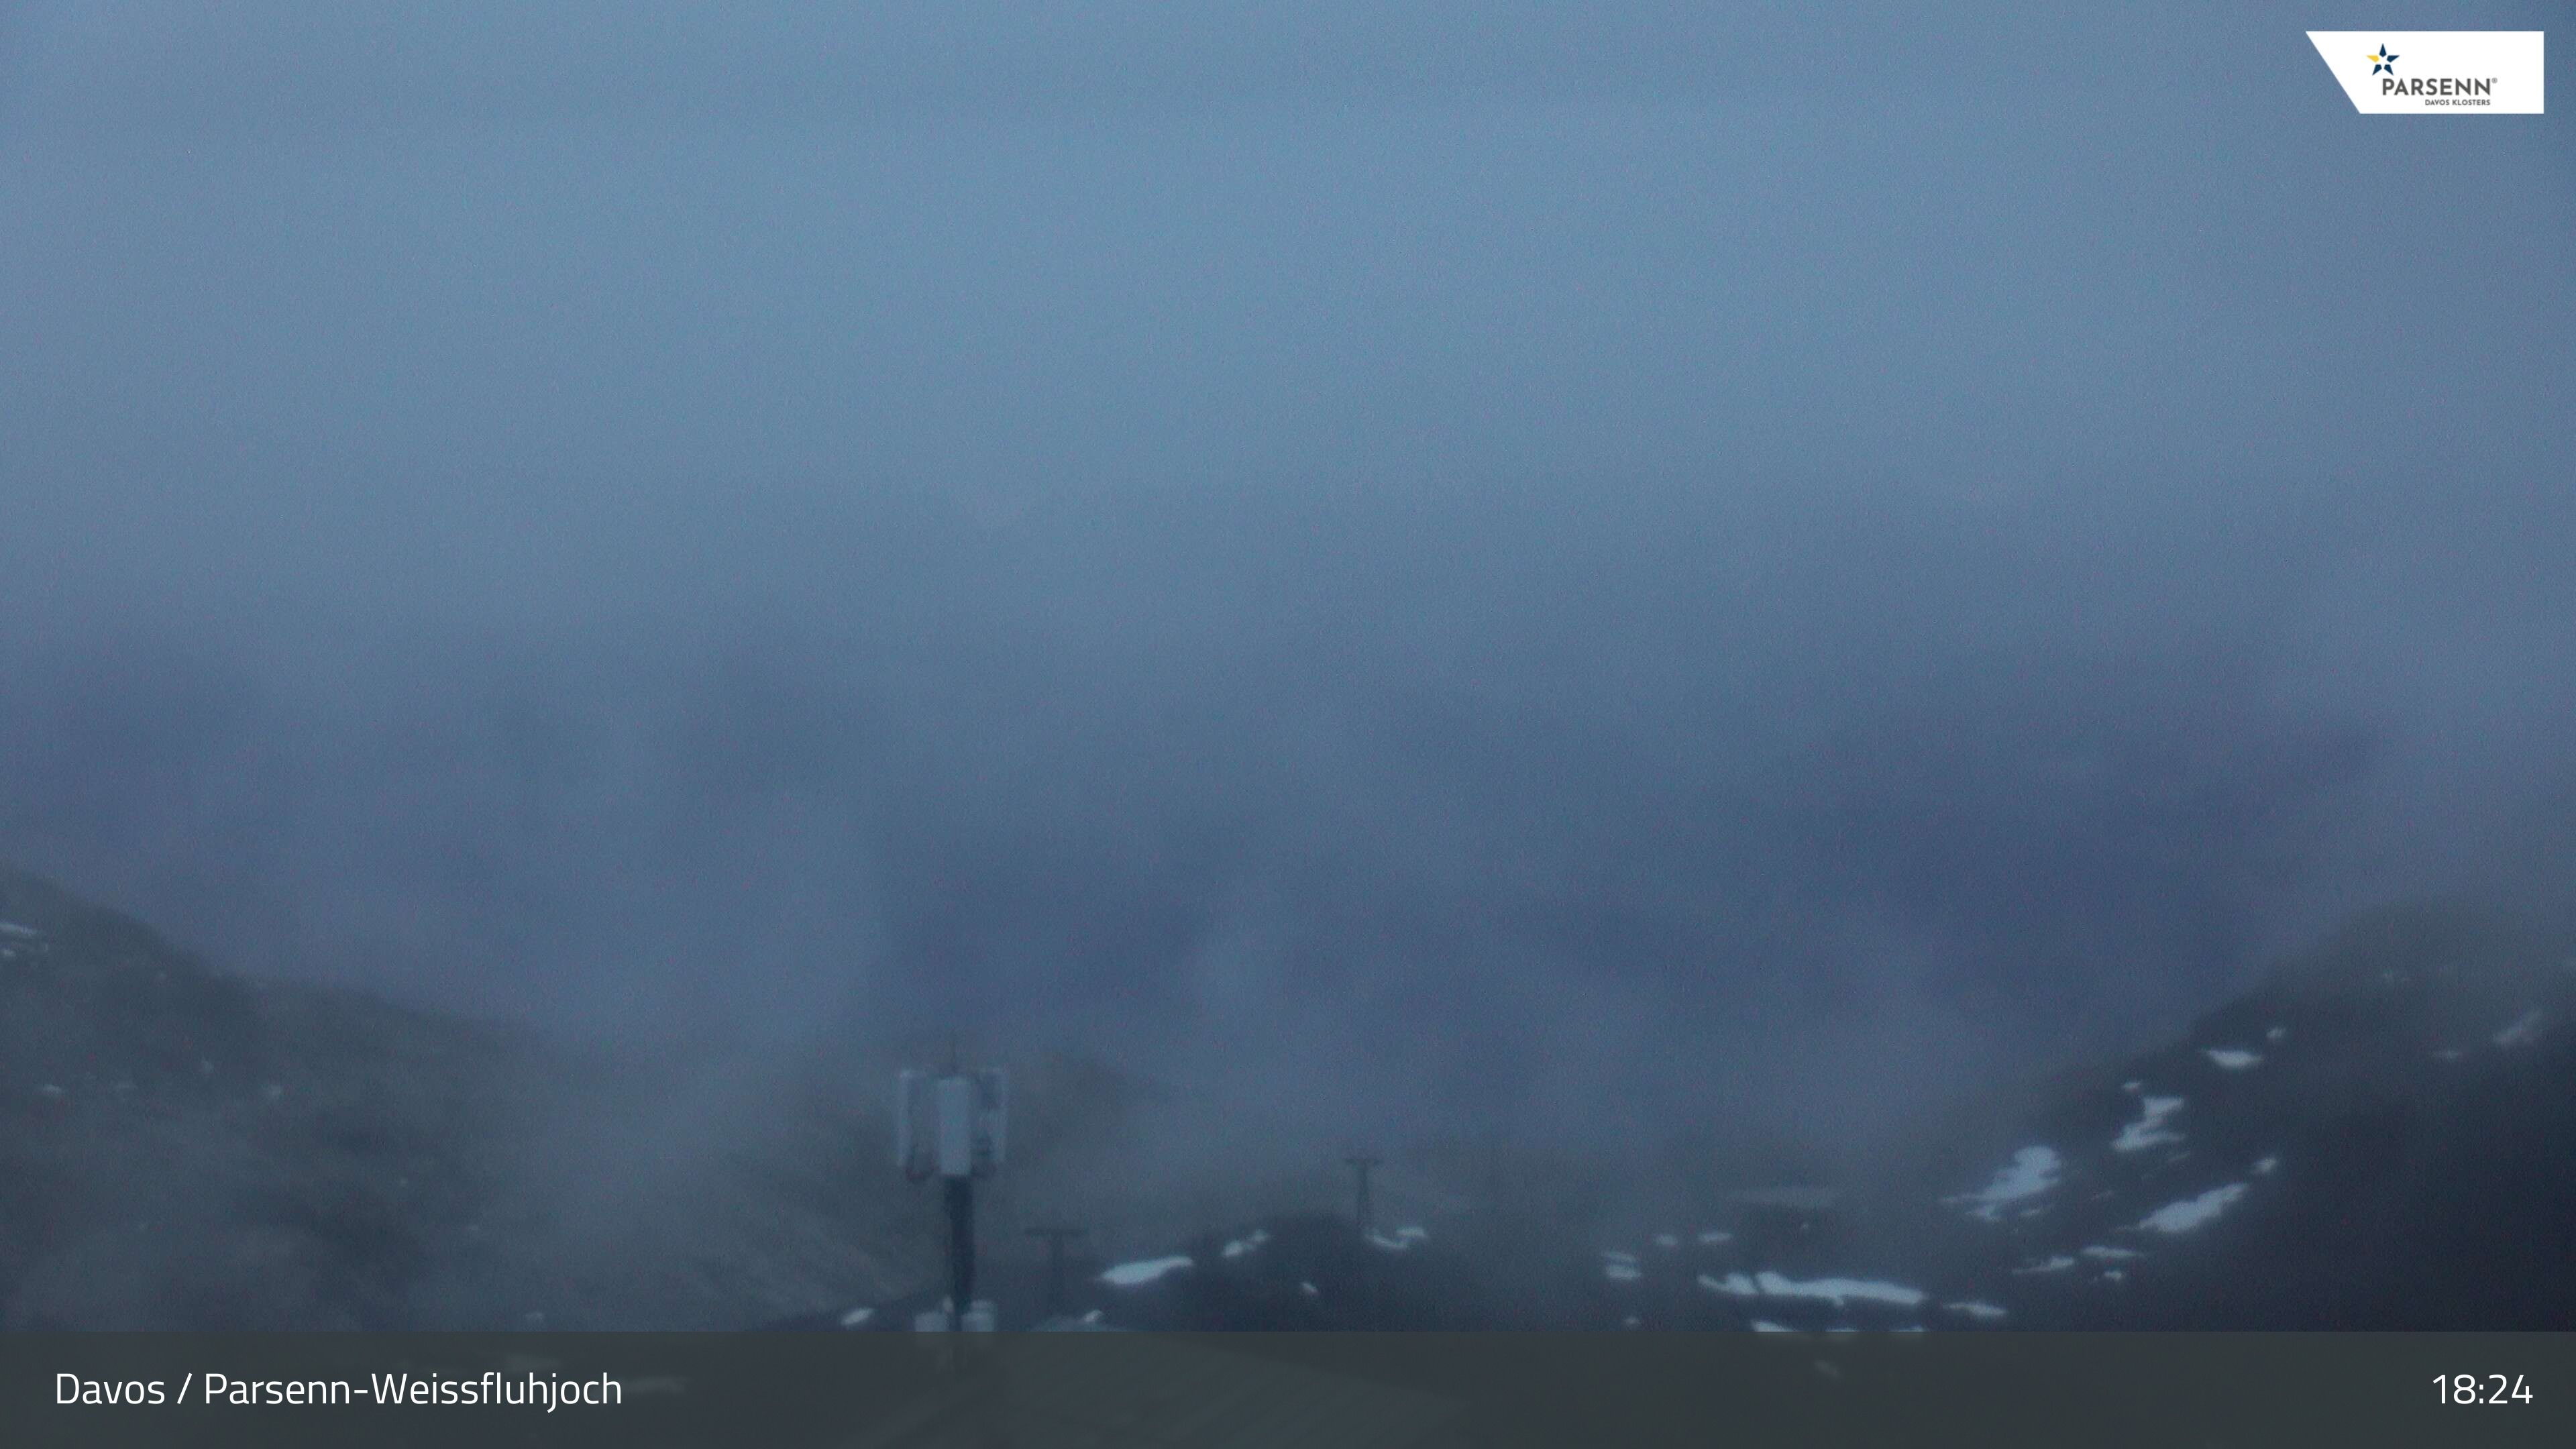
(956, 1126)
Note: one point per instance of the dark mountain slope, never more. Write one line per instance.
(2382, 1135)
(181, 1147)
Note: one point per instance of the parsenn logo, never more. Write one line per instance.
(2448, 72)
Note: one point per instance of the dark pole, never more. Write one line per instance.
(961, 1249)
(1361, 1163)
(1056, 1238)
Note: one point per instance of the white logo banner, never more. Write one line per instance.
(2435, 72)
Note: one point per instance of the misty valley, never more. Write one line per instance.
(2379, 1135)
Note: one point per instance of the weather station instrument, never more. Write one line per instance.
(951, 1127)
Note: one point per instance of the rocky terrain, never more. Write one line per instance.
(2381, 1136)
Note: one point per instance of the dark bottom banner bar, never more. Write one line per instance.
(1035, 1391)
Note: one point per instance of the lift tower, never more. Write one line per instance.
(1364, 1212)
(1056, 1235)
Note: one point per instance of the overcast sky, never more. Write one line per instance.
(1547, 554)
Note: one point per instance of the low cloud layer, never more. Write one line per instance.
(1496, 573)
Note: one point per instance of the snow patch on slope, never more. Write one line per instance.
(1132, 1275)
(2032, 1171)
(2149, 1130)
(1838, 1291)
(2191, 1212)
